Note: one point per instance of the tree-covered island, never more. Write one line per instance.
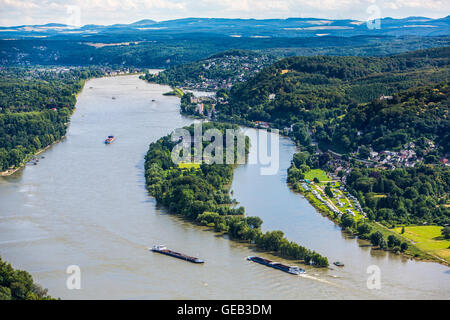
(200, 192)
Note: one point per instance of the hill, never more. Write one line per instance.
(319, 91)
(219, 71)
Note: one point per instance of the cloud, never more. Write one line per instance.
(16, 12)
(17, 4)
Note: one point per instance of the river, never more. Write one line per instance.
(85, 204)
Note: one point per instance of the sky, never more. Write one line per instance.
(107, 12)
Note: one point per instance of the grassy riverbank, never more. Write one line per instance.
(428, 239)
(424, 242)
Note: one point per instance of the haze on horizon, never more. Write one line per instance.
(108, 12)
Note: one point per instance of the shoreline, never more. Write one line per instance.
(413, 252)
(416, 253)
(425, 257)
(11, 171)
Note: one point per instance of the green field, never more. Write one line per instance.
(317, 173)
(429, 239)
(185, 165)
(175, 92)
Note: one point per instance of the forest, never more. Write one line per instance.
(202, 193)
(35, 108)
(19, 285)
(418, 114)
(326, 95)
(404, 195)
(163, 51)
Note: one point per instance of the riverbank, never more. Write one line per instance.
(16, 168)
(413, 251)
(330, 208)
(202, 194)
(42, 218)
(30, 157)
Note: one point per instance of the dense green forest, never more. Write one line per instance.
(169, 50)
(321, 87)
(201, 193)
(417, 114)
(19, 285)
(35, 107)
(316, 92)
(404, 195)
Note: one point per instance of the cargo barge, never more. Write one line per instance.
(277, 265)
(109, 140)
(164, 250)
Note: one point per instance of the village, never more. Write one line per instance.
(223, 72)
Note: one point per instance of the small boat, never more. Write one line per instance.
(338, 263)
(109, 140)
(114, 98)
(277, 265)
(163, 250)
(153, 100)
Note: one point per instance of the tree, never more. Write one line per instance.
(393, 241)
(404, 246)
(376, 238)
(254, 222)
(329, 192)
(446, 232)
(347, 221)
(364, 229)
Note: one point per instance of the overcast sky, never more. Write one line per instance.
(106, 12)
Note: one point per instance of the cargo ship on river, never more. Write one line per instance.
(277, 265)
(109, 140)
(162, 249)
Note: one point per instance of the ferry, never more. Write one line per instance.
(162, 249)
(109, 140)
(277, 265)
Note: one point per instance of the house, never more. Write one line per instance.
(199, 108)
(263, 124)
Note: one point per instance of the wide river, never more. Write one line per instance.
(85, 204)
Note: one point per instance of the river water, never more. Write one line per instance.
(85, 204)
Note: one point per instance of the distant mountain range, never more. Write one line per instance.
(253, 28)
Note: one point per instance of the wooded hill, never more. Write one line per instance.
(35, 107)
(319, 91)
